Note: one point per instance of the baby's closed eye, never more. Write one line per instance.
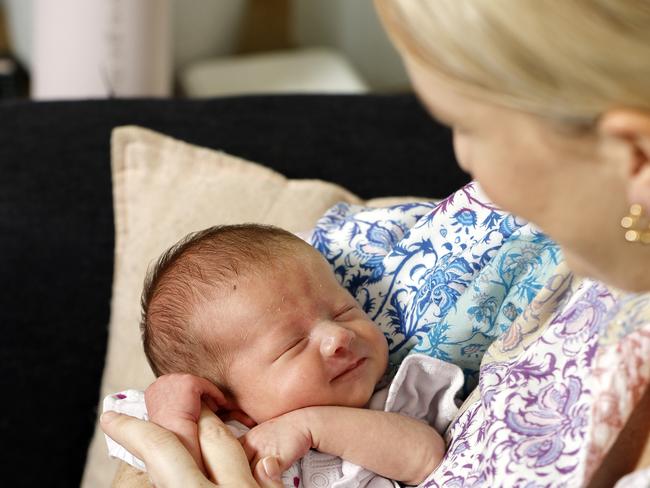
(300, 342)
(293, 347)
(347, 311)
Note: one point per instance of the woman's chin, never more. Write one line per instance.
(580, 268)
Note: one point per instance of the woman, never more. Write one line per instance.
(550, 107)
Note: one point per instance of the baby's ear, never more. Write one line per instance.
(232, 411)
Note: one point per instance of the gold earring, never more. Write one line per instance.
(635, 222)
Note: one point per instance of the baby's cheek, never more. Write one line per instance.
(379, 345)
(300, 390)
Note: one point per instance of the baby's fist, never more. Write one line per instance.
(285, 438)
(178, 396)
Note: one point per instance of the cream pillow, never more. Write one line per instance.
(163, 189)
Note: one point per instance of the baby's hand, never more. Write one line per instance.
(174, 402)
(285, 438)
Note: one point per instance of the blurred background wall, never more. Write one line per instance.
(103, 48)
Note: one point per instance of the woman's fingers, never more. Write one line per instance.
(168, 463)
(224, 456)
(267, 473)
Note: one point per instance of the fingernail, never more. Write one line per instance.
(271, 467)
(107, 417)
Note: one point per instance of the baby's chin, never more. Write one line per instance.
(361, 401)
(361, 397)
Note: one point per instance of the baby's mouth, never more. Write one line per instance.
(350, 368)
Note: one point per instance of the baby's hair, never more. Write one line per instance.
(189, 275)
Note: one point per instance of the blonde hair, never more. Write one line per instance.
(567, 60)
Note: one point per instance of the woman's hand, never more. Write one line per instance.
(170, 465)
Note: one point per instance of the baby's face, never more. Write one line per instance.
(298, 339)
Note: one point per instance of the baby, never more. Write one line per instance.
(259, 313)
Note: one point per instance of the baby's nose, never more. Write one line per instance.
(337, 341)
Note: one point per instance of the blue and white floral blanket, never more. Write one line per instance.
(444, 279)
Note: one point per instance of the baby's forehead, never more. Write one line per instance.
(291, 282)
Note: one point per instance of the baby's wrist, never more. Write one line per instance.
(312, 421)
(304, 420)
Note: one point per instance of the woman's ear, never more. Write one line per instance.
(632, 128)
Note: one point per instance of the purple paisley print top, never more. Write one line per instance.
(554, 363)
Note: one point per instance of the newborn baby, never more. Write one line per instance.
(259, 313)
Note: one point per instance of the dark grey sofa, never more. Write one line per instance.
(56, 231)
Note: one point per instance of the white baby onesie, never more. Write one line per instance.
(423, 388)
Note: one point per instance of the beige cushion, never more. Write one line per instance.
(163, 189)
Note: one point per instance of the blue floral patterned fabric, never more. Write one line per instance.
(563, 360)
(444, 279)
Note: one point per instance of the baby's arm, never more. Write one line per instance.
(174, 402)
(390, 444)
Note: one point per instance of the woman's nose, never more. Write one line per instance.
(336, 341)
